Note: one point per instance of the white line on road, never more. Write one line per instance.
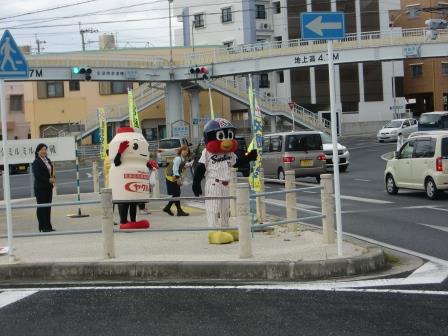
(437, 227)
(281, 203)
(366, 200)
(8, 297)
(362, 180)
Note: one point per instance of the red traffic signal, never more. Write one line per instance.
(200, 70)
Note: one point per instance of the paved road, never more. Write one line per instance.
(222, 311)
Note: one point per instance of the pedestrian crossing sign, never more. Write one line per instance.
(12, 62)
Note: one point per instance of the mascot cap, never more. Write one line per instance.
(216, 125)
(125, 129)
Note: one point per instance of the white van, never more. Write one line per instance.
(421, 163)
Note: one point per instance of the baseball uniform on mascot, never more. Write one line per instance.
(129, 175)
(215, 164)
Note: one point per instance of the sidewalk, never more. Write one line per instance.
(175, 255)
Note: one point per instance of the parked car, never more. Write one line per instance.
(167, 149)
(17, 168)
(433, 121)
(242, 149)
(390, 131)
(421, 163)
(343, 153)
(300, 151)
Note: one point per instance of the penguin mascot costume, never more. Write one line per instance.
(215, 164)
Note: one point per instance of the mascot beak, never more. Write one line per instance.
(226, 145)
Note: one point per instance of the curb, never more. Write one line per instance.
(373, 261)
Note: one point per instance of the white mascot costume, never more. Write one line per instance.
(216, 161)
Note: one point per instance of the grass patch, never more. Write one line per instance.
(390, 259)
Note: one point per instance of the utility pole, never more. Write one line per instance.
(84, 31)
(38, 43)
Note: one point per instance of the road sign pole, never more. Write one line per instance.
(334, 140)
(6, 184)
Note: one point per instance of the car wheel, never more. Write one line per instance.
(391, 188)
(431, 189)
(343, 168)
(281, 174)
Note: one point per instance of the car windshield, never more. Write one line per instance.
(326, 139)
(393, 124)
(303, 142)
(429, 119)
(169, 143)
(445, 148)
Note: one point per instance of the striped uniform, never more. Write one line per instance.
(218, 170)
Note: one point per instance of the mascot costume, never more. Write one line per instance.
(216, 161)
(129, 175)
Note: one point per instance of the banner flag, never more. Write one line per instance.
(134, 120)
(257, 141)
(103, 132)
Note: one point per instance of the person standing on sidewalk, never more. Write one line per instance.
(173, 175)
(44, 180)
(400, 141)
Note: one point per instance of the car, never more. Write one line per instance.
(391, 130)
(421, 164)
(343, 153)
(167, 149)
(433, 121)
(17, 168)
(300, 151)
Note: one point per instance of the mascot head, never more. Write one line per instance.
(219, 136)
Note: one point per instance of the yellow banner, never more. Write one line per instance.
(257, 141)
(103, 132)
(134, 120)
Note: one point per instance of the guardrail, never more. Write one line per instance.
(240, 212)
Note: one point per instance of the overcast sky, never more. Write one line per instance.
(136, 23)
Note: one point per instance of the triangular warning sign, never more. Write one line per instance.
(12, 62)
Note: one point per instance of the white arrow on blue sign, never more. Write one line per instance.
(12, 62)
(322, 25)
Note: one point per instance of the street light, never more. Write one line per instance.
(171, 41)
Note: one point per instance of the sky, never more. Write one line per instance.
(135, 23)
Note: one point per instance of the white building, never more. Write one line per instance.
(364, 92)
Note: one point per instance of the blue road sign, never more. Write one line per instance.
(322, 25)
(12, 62)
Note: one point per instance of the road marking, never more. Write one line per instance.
(8, 297)
(429, 273)
(309, 192)
(437, 227)
(281, 203)
(285, 287)
(362, 180)
(365, 200)
(435, 208)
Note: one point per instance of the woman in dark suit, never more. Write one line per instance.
(44, 180)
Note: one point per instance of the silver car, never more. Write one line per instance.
(391, 130)
(343, 153)
(298, 151)
(167, 149)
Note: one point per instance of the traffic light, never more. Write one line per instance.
(83, 71)
(203, 70)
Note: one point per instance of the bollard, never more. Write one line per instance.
(260, 201)
(96, 181)
(106, 167)
(243, 220)
(156, 187)
(232, 190)
(328, 208)
(290, 198)
(107, 222)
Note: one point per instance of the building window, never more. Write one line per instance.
(119, 87)
(445, 101)
(16, 103)
(54, 90)
(264, 81)
(226, 14)
(260, 12)
(199, 20)
(73, 85)
(445, 69)
(277, 8)
(281, 76)
(416, 70)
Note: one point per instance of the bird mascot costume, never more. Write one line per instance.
(129, 175)
(215, 164)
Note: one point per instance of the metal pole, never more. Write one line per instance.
(6, 182)
(243, 220)
(78, 189)
(171, 42)
(96, 182)
(107, 224)
(334, 140)
(31, 182)
(192, 33)
(290, 200)
(261, 205)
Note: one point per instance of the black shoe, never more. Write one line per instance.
(48, 230)
(182, 213)
(168, 211)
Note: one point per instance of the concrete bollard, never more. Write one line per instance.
(260, 201)
(328, 208)
(290, 198)
(96, 181)
(232, 190)
(243, 220)
(156, 187)
(106, 168)
(107, 222)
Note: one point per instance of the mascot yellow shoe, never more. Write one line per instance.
(235, 234)
(219, 237)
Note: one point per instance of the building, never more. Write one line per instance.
(426, 80)
(366, 93)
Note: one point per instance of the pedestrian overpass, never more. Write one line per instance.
(224, 62)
